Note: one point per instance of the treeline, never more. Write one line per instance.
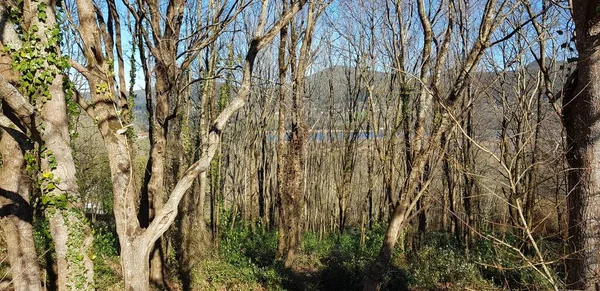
(287, 144)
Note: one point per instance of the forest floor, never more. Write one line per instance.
(246, 260)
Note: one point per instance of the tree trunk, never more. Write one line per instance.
(294, 170)
(16, 213)
(374, 277)
(281, 140)
(156, 185)
(71, 234)
(135, 253)
(262, 178)
(583, 128)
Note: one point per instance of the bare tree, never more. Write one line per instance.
(414, 187)
(293, 197)
(136, 241)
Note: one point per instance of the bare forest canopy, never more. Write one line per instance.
(299, 145)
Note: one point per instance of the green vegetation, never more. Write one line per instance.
(246, 260)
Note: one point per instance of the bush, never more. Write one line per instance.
(106, 243)
(505, 267)
(311, 245)
(431, 266)
(347, 262)
(106, 260)
(244, 247)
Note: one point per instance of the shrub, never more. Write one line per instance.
(431, 266)
(105, 242)
(106, 260)
(507, 268)
(347, 262)
(243, 247)
(311, 245)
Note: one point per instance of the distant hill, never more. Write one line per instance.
(321, 98)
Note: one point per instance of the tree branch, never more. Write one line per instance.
(21, 112)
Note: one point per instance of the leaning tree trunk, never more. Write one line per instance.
(580, 117)
(398, 219)
(426, 146)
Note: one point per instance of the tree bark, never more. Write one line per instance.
(136, 266)
(293, 198)
(281, 139)
(583, 128)
(71, 234)
(16, 214)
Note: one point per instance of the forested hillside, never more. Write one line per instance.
(299, 145)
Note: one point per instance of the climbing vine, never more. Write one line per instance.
(39, 63)
(38, 60)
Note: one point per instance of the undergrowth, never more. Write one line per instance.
(246, 259)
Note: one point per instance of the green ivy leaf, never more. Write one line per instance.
(50, 186)
(48, 175)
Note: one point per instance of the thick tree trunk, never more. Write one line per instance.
(580, 116)
(21, 253)
(135, 253)
(16, 213)
(71, 234)
(293, 197)
(157, 182)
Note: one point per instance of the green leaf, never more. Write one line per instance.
(42, 16)
(50, 186)
(48, 175)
